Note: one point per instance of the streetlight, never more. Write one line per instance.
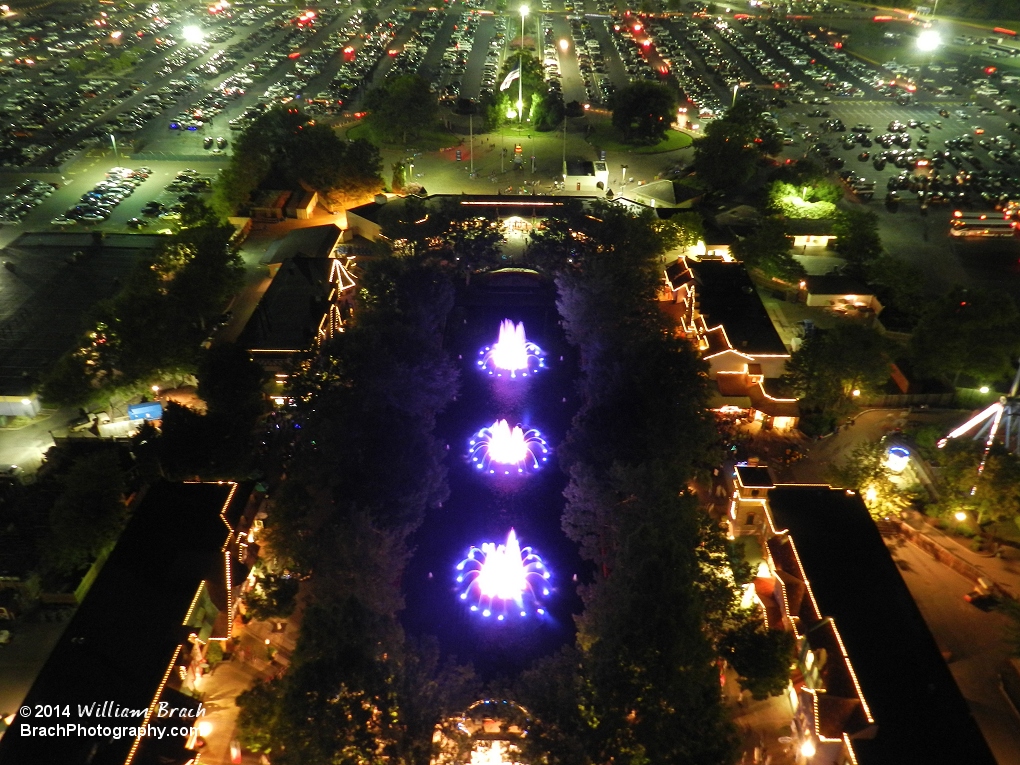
(983, 389)
(736, 87)
(520, 66)
(193, 35)
(564, 45)
(928, 40)
(960, 516)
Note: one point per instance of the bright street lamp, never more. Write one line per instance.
(928, 40)
(520, 67)
(960, 516)
(735, 89)
(983, 389)
(193, 34)
(564, 45)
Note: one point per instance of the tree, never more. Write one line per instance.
(402, 108)
(230, 382)
(800, 202)
(274, 596)
(285, 148)
(867, 471)
(680, 230)
(259, 715)
(532, 83)
(968, 332)
(643, 111)
(398, 180)
(833, 363)
(857, 239)
(761, 656)
(89, 514)
(768, 251)
(989, 495)
(724, 158)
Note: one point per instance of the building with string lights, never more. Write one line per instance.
(870, 685)
(139, 638)
(718, 309)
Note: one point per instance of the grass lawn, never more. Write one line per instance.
(605, 136)
(426, 142)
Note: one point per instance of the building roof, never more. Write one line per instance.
(918, 708)
(834, 284)
(754, 476)
(727, 296)
(371, 210)
(291, 310)
(307, 242)
(127, 630)
(577, 167)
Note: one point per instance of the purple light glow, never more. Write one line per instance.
(503, 580)
(512, 355)
(500, 449)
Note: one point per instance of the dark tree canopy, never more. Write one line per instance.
(761, 656)
(89, 514)
(968, 332)
(833, 363)
(643, 111)
(284, 148)
(767, 249)
(402, 109)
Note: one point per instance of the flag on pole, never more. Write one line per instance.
(512, 75)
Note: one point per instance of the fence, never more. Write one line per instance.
(910, 399)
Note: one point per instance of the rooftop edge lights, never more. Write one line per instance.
(510, 451)
(503, 580)
(512, 354)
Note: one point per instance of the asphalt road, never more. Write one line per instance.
(974, 640)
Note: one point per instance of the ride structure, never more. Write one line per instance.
(1002, 416)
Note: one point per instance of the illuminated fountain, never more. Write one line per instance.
(503, 580)
(512, 355)
(500, 449)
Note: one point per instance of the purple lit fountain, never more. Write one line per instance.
(499, 449)
(503, 580)
(512, 355)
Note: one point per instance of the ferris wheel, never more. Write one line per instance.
(1002, 416)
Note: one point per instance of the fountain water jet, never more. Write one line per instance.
(512, 353)
(498, 448)
(503, 580)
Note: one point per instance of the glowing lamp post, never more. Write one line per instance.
(564, 45)
(520, 66)
(928, 41)
(193, 35)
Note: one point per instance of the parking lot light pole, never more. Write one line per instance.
(113, 140)
(735, 89)
(520, 66)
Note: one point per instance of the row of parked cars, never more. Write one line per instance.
(99, 202)
(359, 65)
(25, 197)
